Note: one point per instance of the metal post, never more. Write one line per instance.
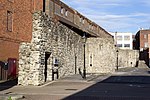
(84, 70)
(117, 60)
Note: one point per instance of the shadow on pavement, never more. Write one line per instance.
(8, 84)
(116, 88)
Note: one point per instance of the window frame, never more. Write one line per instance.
(119, 45)
(126, 45)
(9, 21)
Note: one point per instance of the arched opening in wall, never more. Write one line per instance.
(47, 55)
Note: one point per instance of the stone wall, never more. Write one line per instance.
(127, 58)
(101, 55)
(51, 38)
(53, 41)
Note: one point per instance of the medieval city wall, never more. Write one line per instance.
(53, 42)
(127, 58)
(54, 38)
(101, 55)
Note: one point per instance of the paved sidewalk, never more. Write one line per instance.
(55, 90)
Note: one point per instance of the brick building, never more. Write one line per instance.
(16, 22)
(141, 43)
(15, 27)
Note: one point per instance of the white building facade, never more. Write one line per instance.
(123, 40)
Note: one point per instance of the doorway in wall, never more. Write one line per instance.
(44, 5)
(47, 55)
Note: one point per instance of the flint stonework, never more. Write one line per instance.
(55, 46)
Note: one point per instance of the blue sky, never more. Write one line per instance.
(115, 15)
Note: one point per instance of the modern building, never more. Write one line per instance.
(123, 40)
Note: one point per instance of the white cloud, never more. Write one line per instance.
(145, 2)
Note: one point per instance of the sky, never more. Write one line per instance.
(115, 15)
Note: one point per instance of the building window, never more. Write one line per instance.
(119, 38)
(66, 13)
(145, 44)
(9, 21)
(62, 10)
(126, 45)
(127, 38)
(145, 36)
(119, 45)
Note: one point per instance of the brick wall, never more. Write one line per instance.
(15, 26)
(8, 49)
(18, 27)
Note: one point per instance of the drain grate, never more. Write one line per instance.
(71, 89)
(8, 92)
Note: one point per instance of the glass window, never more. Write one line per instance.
(119, 37)
(127, 38)
(126, 45)
(119, 45)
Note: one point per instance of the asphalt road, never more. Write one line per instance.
(127, 84)
(131, 84)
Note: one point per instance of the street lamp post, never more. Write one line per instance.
(117, 59)
(84, 42)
